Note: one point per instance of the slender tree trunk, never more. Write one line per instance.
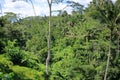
(49, 39)
(33, 7)
(118, 46)
(108, 59)
(1, 10)
(87, 48)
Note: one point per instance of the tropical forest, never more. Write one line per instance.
(83, 45)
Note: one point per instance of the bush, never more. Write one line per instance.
(14, 53)
(24, 73)
(5, 71)
(4, 64)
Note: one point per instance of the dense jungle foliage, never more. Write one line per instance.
(83, 44)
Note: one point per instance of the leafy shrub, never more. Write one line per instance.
(6, 76)
(24, 73)
(5, 64)
(14, 53)
(5, 72)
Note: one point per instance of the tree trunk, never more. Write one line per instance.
(49, 39)
(1, 10)
(108, 59)
(33, 7)
(118, 47)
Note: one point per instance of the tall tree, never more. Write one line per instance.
(50, 2)
(109, 14)
(48, 40)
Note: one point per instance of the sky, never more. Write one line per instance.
(41, 7)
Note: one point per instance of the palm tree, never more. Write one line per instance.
(110, 14)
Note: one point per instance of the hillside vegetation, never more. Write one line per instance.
(83, 44)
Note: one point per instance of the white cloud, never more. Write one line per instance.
(18, 7)
(41, 6)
